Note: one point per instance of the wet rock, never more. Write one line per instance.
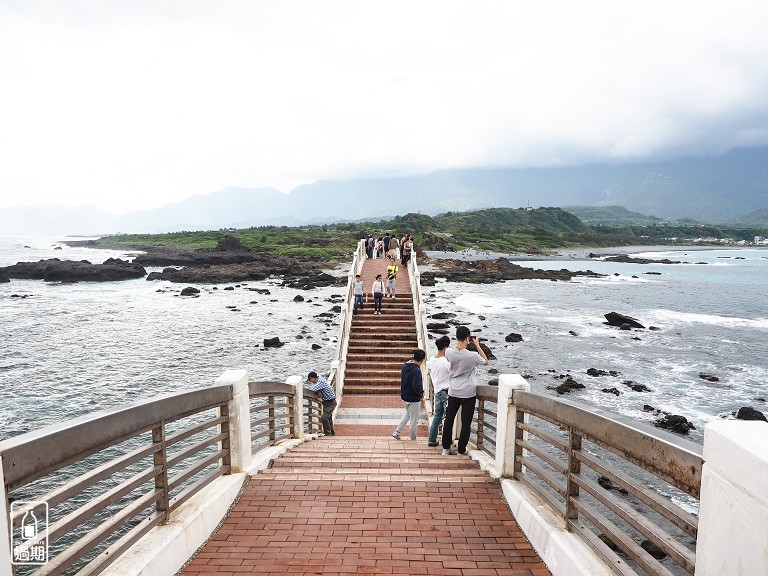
(568, 386)
(512, 337)
(675, 423)
(616, 319)
(625, 258)
(55, 270)
(438, 326)
(488, 353)
(654, 328)
(572, 333)
(4, 279)
(316, 346)
(596, 372)
(649, 408)
(298, 298)
(709, 377)
(749, 413)
(608, 484)
(336, 309)
(653, 550)
(190, 291)
(229, 288)
(443, 315)
(635, 386)
(494, 382)
(613, 390)
(489, 271)
(427, 279)
(273, 342)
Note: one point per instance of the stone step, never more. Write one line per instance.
(369, 389)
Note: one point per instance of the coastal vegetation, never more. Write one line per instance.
(505, 230)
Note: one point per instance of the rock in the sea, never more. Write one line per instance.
(316, 346)
(512, 337)
(4, 279)
(568, 386)
(616, 319)
(613, 390)
(709, 377)
(190, 291)
(272, 342)
(443, 315)
(298, 298)
(484, 346)
(55, 270)
(653, 550)
(749, 413)
(675, 423)
(636, 387)
(438, 326)
(596, 372)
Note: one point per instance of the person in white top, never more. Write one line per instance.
(462, 388)
(438, 367)
(377, 291)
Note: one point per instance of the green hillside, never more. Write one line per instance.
(610, 215)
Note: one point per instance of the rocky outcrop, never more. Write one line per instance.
(596, 372)
(569, 385)
(749, 413)
(4, 279)
(273, 342)
(709, 377)
(675, 423)
(513, 337)
(491, 271)
(55, 270)
(190, 291)
(632, 260)
(620, 320)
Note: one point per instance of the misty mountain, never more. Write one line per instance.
(708, 190)
(610, 215)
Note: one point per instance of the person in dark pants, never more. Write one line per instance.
(462, 388)
(411, 393)
(328, 396)
(377, 291)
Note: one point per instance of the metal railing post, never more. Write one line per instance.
(297, 412)
(160, 458)
(239, 419)
(507, 418)
(5, 529)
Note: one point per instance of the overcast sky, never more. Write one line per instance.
(134, 104)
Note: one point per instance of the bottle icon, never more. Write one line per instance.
(29, 525)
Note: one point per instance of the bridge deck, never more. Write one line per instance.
(363, 502)
(343, 505)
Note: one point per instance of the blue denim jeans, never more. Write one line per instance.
(441, 400)
(358, 301)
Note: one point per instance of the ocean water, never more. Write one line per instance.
(711, 311)
(70, 349)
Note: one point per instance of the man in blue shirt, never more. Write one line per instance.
(328, 396)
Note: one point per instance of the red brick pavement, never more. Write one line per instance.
(348, 506)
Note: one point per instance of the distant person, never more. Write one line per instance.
(438, 367)
(369, 243)
(386, 244)
(379, 247)
(392, 270)
(462, 388)
(406, 249)
(377, 291)
(394, 246)
(328, 396)
(411, 393)
(358, 287)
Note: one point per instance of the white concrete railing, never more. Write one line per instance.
(338, 366)
(422, 337)
(732, 524)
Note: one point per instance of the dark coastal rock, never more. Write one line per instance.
(4, 279)
(489, 354)
(613, 390)
(749, 413)
(675, 423)
(572, 333)
(443, 315)
(709, 377)
(273, 342)
(316, 346)
(512, 337)
(55, 270)
(596, 372)
(298, 298)
(491, 271)
(311, 280)
(624, 258)
(568, 386)
(636, 387)
(608, 484)
(438, 326)
(654, 328)
(616, 319)
(427, 279)
(190, 291)
(653, 550)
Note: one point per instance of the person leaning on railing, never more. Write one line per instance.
(328, 396)
(462, 388)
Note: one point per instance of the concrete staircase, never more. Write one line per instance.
(380, 344)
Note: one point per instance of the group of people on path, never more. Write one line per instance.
(453, 375)
(390, 247)
(379, 290)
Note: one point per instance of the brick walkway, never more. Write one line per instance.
(347, 506)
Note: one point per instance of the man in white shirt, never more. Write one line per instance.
(462, 388)
(438, 367)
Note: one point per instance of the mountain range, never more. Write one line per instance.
(729, 189)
